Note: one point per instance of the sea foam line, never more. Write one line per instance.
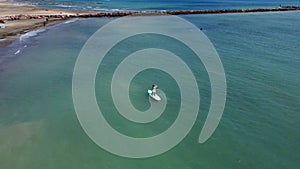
(31, 34)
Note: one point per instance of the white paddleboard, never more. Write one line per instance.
(155, 97)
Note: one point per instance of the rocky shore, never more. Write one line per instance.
(17, 19)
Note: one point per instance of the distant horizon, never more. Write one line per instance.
(125, 5)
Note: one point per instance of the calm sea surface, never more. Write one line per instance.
(115, 5)
(259, 128)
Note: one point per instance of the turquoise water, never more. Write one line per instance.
(259, 128)
(115, 5)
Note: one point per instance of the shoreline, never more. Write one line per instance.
(25, 18)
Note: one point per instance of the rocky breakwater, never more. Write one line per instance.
(185, 12)
(73, 14)
(25, 18)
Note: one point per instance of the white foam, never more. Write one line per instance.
(31, 34)
(71, 21)
(106, 9)
(65, 6)
(17, 52)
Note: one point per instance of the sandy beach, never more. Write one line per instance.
(22, 18)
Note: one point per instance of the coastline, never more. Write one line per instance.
(22, 18)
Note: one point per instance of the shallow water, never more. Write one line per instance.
(259, 127)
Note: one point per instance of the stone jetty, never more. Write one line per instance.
(146, 13)
(17, 19)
